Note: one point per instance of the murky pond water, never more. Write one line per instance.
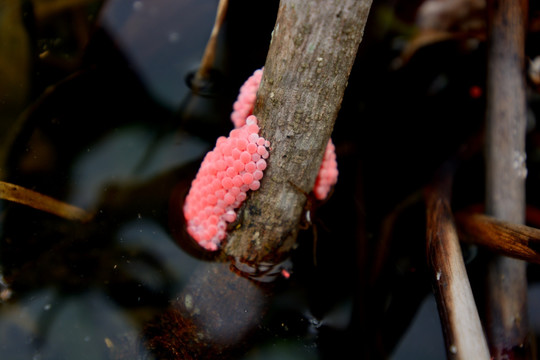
(96, 111)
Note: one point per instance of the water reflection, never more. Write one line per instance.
(425, 326)
(161, 39)
(143, 154)
(213, 316)
(47, 326)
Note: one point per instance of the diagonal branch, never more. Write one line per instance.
(209, 56)
(313, 47)
(24, 196)
(463, 333)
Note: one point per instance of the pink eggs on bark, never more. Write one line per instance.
(226, 174)
(234, 167)
(244, 104)
(243, 107)
(328, 173)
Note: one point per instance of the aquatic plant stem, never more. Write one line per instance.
(506, 283)
(203, 73)
(313, 48)
(464, 337)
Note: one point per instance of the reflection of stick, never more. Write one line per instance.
(210, 51)
(463, 333)
(42, 202)
(506, 290)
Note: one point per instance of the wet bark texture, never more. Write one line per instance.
(313, 47)
(505, 173)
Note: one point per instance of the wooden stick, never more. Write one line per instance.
(501, 237)
(210, 51)
(313, 48)
(506, 288)
(21, 195)
(462, 328)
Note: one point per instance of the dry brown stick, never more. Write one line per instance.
(501, 237)
(464, 337)
(313, 47)
(210, 51)
(506, 290)
(21, 195)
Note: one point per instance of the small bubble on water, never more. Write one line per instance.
(188, 302)
(519, 164)
(137, 5)
(174, 36)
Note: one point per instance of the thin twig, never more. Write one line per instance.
(463, 333)
(210, 52)
(21, 195)
(501, 237)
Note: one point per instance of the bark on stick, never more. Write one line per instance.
(505, 173)
(313, 48)
(460, 321)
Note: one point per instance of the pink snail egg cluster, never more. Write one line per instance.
(227, 173)
(244, 104)
(234, 167)
(243, 107)
(328, 173)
